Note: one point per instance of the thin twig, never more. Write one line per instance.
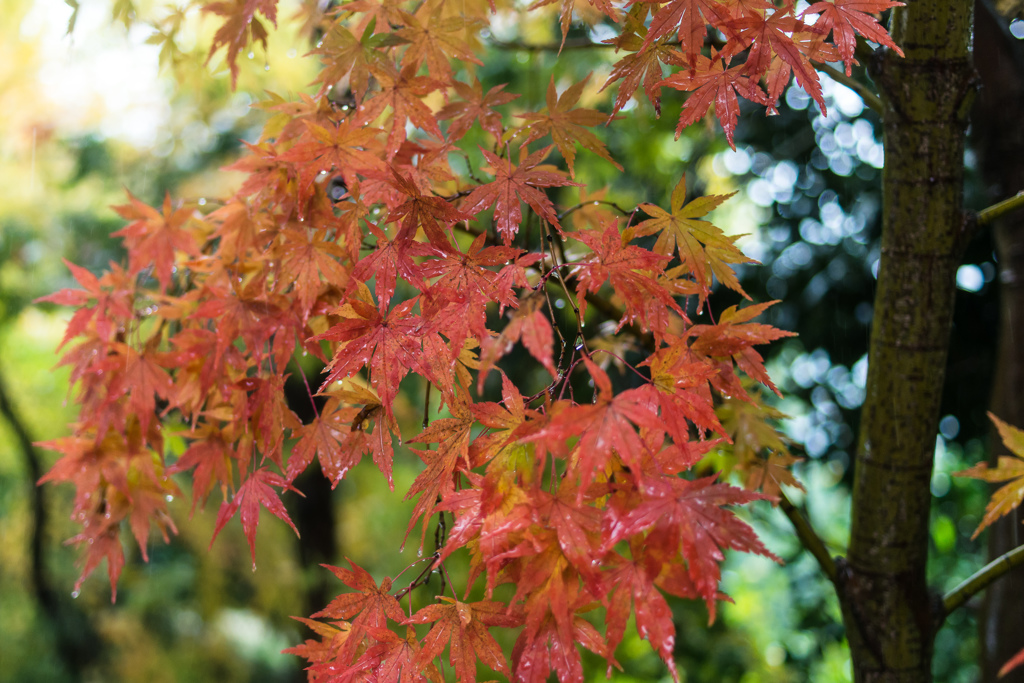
(869, 96)
(426, 407)
(590, 202)
(810, 540)
(982, 578)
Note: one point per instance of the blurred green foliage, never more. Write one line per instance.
(807, 195)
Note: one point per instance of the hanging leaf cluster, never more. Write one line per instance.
(356, 238)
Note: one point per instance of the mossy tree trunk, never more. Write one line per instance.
(890, 616)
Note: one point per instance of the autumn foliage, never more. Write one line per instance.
(366, 236)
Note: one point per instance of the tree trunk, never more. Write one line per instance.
(1000, 143)
(889, 614)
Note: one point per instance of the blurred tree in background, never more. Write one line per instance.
(809, 199)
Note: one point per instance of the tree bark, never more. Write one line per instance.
(890, 617)
(1000, 142)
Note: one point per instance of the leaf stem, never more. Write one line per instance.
(980, 580)
(869, 96)
(810, 540)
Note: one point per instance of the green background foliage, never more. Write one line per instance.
(807, 196)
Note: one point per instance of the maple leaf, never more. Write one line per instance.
(392, 659)
(642, 67)
(154, 238)
(343, 55)
(629, 268)
(528, 324)
(240, 28)
(403, 91)
(632, 581)
(371, 605)
(139, 377)
(681, 386)
(475, 107)
(566, 125)
(387, 261)
(113, 293)
(690, 19)
(712, 83)
(734, 336)
(513, 184)
(846, 18)
(426, 211)
(349, 148)
(552, 625)
(603, 427)
(255, 491)
(387, 343)
(437, 480)
(306, 255)
(1009, 469)
(703, 248)
(434, 41)
(770, 35)
(465, 627)
(325, 438)
(749, 425)
(210, 455)
(689, 516)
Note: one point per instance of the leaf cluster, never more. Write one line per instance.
(354, 239)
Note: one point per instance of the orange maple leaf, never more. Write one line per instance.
(1010, 469)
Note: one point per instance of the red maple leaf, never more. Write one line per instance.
(734, 336)
(630, 269)
(712, 83)
(605, 429)
(306, 255)
(155, 238)
(846, 18)
(240, 28)
(632, 581)
(771, 35)
(513, 184)
(255, 492)
(387, 343)
(475, 107)
(436, 481)
(688, 517)
(465, 626)
(403, 91)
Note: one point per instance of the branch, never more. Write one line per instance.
(39, 581)
(869, 96)
(991, 213)
(569, 44)
(811, 541)
(982, 578)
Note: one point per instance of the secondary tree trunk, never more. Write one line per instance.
(999, 58)
(889, 614)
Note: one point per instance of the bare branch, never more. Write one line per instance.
(869, 96)
(980, 580)
(810, 540)
(991, 213)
